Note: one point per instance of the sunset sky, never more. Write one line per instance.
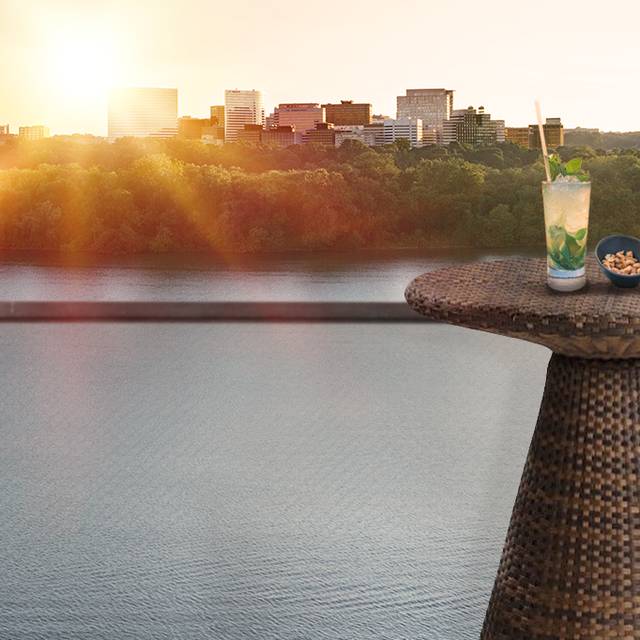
(58, 58)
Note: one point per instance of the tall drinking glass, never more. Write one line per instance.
(566, 219)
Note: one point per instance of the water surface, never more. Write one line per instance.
(256, 481)
(370, 276)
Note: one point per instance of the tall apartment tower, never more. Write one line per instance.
(432, 106)
(240, 108)
(143, 112)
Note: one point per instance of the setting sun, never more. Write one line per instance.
(81, 65)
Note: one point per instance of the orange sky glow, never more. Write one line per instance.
(59, 57)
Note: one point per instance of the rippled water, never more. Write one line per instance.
(376, 275)
(256, 481)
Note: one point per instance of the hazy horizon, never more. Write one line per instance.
(58, 59)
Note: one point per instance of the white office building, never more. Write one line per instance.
(407, 128)
(432, 106)
(371, 135)
(374, 133)
(143, 112)
(240, 108)
(349, 132)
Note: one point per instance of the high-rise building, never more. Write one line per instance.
(408, 128)
(517, 135)
(216, 113)
(143, 112)
(323, 133)
(529, 137)
(192, 128)
(240, 108)
(35, 132)
(473, 127)
(432, 106)
(282, 136)
(553, 134)
(348, 113)
(250, 133)
(301, 115)
(215, 133)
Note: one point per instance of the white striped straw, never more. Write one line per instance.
(543, 142)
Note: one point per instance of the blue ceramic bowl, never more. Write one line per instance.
(613, 244)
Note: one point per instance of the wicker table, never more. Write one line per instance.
(570, 566)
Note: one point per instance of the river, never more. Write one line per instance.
(254, 481)
(372, 276)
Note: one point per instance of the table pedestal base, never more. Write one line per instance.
(570, 567)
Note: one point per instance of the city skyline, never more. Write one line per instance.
(153, 112)
(268, 114)
(59, 59)
(424, 117)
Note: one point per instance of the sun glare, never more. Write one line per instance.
(81, 65)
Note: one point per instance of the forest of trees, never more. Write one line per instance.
(608, 140)
(141, 196)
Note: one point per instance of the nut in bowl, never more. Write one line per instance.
(623, 262)
(619, 259)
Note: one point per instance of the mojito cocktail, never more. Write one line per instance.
(566, 219)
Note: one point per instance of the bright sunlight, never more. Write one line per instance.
(82, 65)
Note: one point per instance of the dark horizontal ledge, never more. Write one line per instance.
(58, 311)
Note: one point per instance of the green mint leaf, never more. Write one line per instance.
(555, 166)
(571, 168)
(574, 166)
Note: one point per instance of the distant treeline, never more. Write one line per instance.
(606, 140)
(139, 196)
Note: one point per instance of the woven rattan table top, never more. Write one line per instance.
(510, 297)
